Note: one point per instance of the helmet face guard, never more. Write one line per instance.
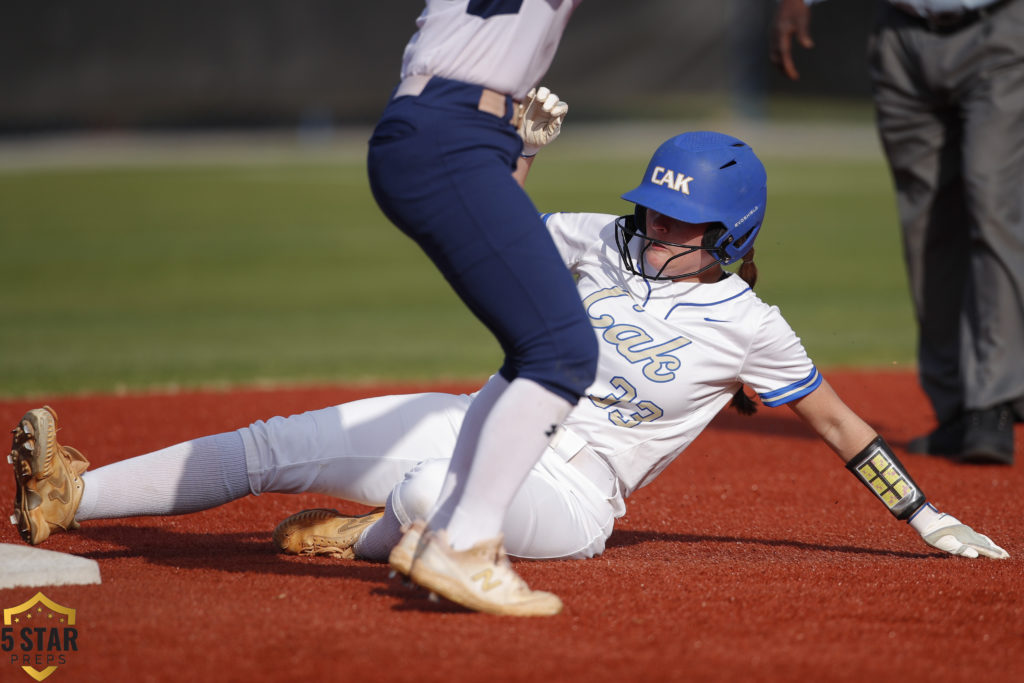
(700, 177)
(628, 227)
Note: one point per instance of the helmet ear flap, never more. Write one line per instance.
(710, 240)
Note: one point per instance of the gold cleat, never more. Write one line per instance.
(402, 555)
(480, 578)
(47, 477)
(322, 531)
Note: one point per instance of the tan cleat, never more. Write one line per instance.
(402, 555)
(47, 477)
(322, 531)
(480, 578)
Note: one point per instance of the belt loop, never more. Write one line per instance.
(492, 102)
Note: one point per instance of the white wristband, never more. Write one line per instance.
(926, 519)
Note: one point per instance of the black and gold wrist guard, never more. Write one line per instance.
(880, 470)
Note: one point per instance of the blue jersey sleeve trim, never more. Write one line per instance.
(793, 391)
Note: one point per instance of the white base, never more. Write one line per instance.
(23, 565)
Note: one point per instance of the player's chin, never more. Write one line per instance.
(657, 260)
(656, 257)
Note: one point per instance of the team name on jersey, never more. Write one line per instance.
(674, 180)
(632, 342)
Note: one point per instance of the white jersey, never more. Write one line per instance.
(672, 355)
(504, 45)
(678, 352)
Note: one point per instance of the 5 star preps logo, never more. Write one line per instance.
(38, 635)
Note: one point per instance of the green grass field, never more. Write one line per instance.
(282, 270)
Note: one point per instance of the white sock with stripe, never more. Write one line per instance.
(187, 477)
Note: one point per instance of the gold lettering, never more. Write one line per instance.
(632, 342)
(602, 321)
(486, 579)
(661, 366)
(628, 394)
(629, 341)
(646, 412)
(621, 335)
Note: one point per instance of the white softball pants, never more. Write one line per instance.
(364, 450)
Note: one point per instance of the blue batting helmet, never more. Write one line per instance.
(702, 177)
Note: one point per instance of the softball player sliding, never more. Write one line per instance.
(678, 337)
(440, 162)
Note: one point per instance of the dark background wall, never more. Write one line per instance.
(118, 63)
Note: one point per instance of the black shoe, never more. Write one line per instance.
(947, 439)
(988, 436)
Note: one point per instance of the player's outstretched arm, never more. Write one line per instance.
(872, 462)
(541, 122)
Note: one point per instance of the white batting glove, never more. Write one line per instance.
(542, 119)
(947, 533)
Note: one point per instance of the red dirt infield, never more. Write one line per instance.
(755, 557)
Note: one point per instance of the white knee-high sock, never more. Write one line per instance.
(513, 438)
(465, 450)
(187, 477)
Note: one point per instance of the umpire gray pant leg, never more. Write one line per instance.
(993, 109)
(958, 187)
(925, 164)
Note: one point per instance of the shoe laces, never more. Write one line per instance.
(502, 560)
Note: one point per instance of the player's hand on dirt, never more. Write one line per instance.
(542, 119)
(792, 20)
(949, 534)
(960, 539)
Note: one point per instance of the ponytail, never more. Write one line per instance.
(744, 404)
(748, 270)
